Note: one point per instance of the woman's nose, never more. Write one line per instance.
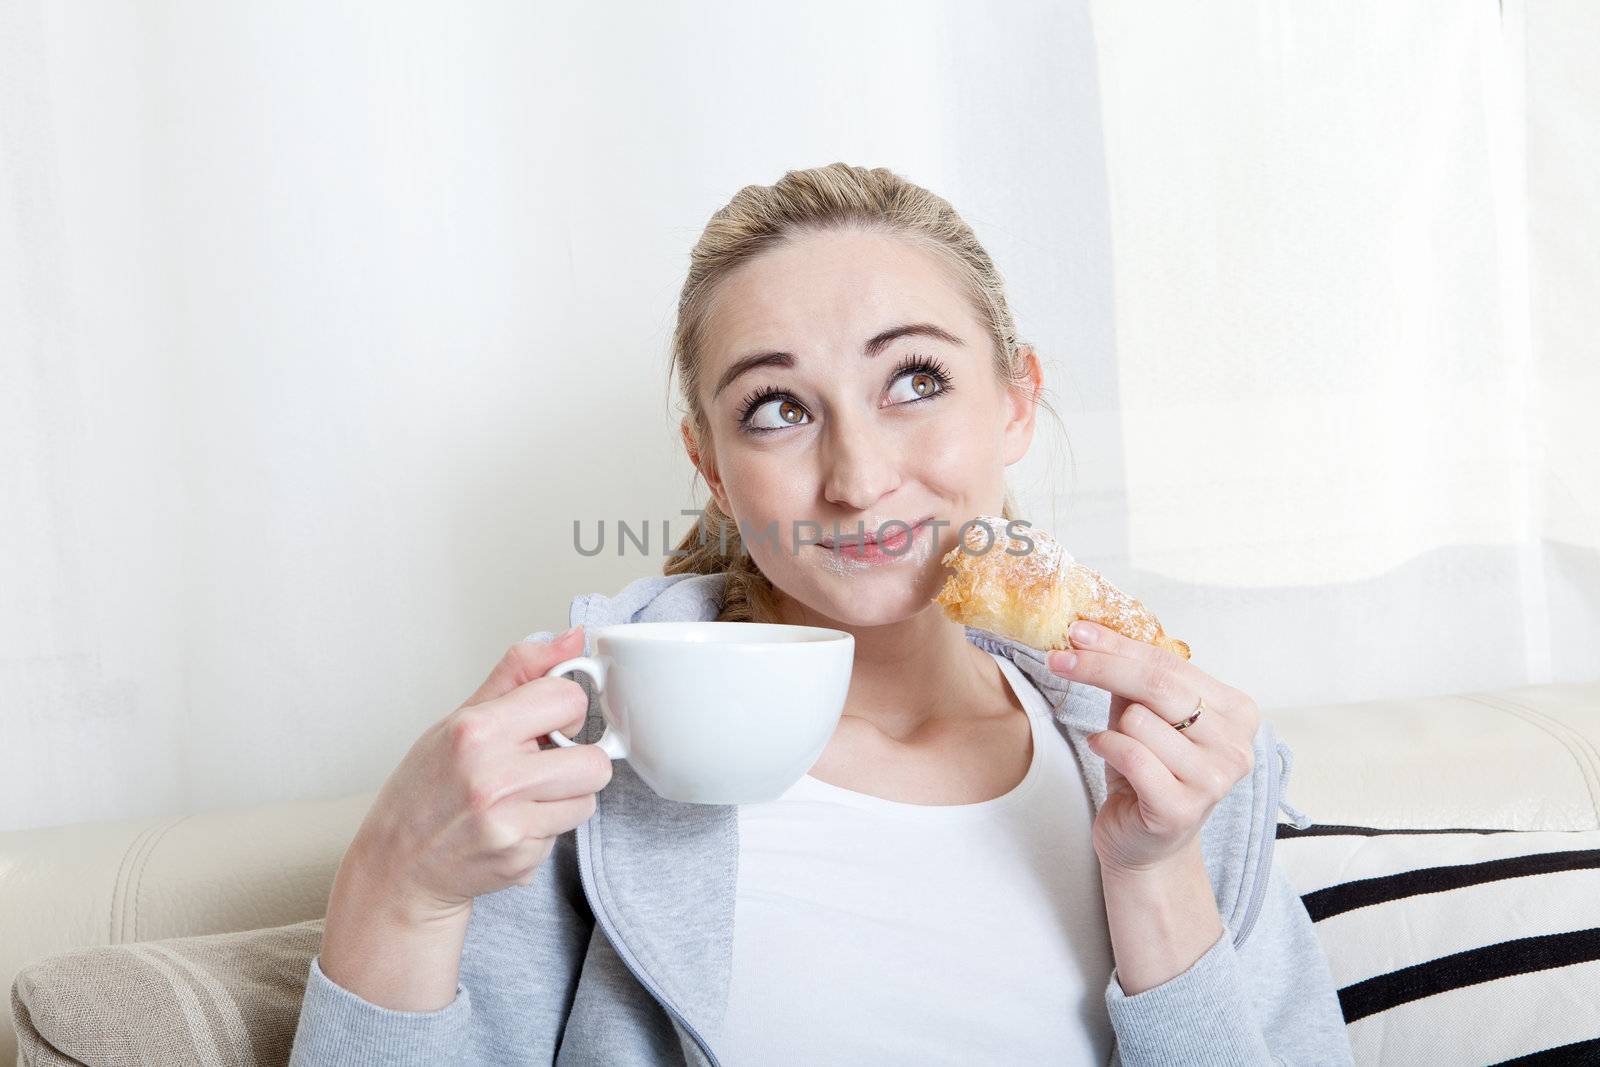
(859, 469)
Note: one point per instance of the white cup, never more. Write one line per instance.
(717, 712)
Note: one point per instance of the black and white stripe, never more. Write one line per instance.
(1457, 945)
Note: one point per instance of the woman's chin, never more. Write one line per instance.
(877, 596)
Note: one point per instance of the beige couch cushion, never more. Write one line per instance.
(207, 1000)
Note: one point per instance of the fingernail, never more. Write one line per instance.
(564, 634)
(1081, 633)
(1063, 661)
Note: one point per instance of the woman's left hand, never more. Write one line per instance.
(1161, 783)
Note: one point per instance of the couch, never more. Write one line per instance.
(1453, 873)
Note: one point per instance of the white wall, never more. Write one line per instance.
(319, 326)
(322, 327)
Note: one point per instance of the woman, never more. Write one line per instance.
(977, 869)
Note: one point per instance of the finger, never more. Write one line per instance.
(558, 816)
(1150, 778)
(550, 775)
(1165, 683)
(1187, 761)
(526, 660)
(530, 711)
(515, 844)
(1118, 706)
(1086, 634)
(569, 730)
(515, 823)
(1101, 638)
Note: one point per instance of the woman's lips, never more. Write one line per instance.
(895, 543)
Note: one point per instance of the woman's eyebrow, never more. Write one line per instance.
(874, 345)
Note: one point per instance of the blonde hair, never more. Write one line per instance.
(759, 217)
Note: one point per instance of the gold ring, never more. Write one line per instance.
(1186, 723)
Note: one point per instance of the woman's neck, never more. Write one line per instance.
(909, 674)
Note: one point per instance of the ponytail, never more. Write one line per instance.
(748, 596)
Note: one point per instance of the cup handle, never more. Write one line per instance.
(610, 741)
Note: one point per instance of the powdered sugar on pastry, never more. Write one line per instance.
(1032, 594)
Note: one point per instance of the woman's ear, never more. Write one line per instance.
(705, 462)
(1022, 405)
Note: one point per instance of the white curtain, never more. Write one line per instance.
(321, 325)
(1354, 262)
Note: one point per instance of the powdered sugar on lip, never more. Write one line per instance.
(846, 563)
(888, 532)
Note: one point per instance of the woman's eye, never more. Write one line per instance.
(918, 384)
(776, 414)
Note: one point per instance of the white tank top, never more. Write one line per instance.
(873, 931)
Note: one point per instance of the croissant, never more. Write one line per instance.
(1033, 595)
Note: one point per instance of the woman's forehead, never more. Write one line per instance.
(830, 293)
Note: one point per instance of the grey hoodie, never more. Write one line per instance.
(619, 950)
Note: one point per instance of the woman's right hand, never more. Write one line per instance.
(476, 805)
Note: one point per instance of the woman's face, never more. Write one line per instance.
(851, 390)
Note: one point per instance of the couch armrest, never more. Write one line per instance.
(1526, 758)
(113, 882)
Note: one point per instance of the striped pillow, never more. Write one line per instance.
(204, 1000)
(1457, 946)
